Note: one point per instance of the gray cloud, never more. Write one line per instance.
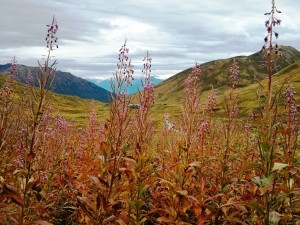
(177, 33)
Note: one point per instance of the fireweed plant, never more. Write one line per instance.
(45, 77)
(27, 173)
(212, 166)
(276, 177)
(121, 184)
(7, 106)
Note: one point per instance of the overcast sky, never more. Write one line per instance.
(177, 33)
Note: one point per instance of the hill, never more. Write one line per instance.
(215, 73)
(64, 83)
(135, 86)
(73, 108)
(170, 94)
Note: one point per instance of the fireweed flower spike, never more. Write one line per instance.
(270, 47)
(124, 66)
(14, 68)
(290, 102)
(124, 73)
(191, 87)
(234, 71)
(148, 85)
(51, 38)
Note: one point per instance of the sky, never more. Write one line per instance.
(177, 33)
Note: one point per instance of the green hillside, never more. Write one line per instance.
(170, 94)
(73, 108)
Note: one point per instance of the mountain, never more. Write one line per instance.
(215, 74)
(64, 83)
(135, 86)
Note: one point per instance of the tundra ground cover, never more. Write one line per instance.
(198, 169)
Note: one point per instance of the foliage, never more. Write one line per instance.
(205, 166)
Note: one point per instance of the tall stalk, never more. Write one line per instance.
(45, 77)
(267, 138)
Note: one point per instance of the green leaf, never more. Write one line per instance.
(249, 166)
(256, 206)
(136, 204)
(279, 166)
(266, 184)
(256, 180)
(224, 185)
(142, 188)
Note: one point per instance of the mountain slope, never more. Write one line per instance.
(248, 100)
(65, 83)
(73, 108)
(215, 74)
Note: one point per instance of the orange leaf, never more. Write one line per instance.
(11, 192)
(104, 146)
(86, 207)
(120, 222)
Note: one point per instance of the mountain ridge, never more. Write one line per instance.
(64, 83)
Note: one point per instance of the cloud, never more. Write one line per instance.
(176, 33)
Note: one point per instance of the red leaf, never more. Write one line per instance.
(30, 156)
(247, 176)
